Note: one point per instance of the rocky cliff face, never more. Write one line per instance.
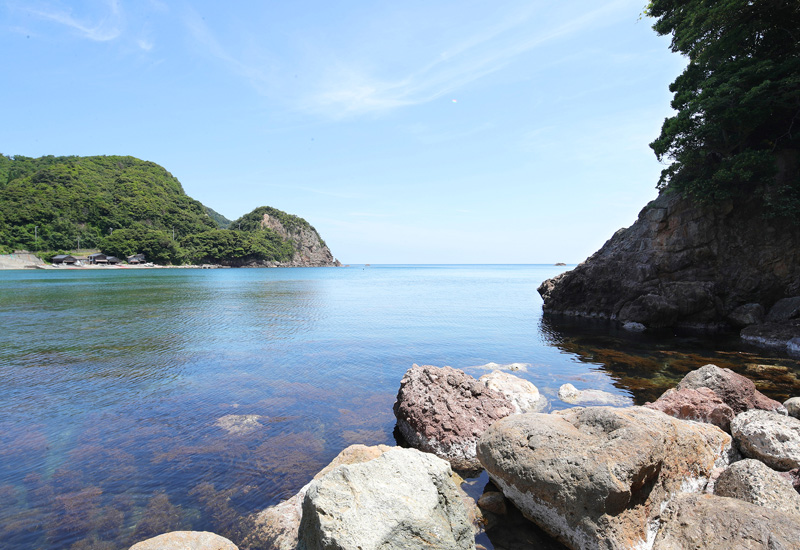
(681, 264)
(310, 249)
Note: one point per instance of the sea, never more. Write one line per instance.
(139, 401)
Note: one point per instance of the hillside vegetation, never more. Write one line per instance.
(122, 206)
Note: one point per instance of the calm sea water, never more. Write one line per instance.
(136, 402)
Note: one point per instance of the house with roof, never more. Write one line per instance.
(64, 259)
(98, 259)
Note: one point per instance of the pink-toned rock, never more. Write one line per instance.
(186, 540)
(737, 391)
(444, 411)
(701, 405)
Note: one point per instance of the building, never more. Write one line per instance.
(98, 259)
(65, 259)
(136, 259)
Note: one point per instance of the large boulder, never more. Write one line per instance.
(712, 522)
(402, 499)
(597, 477)
(186, 540)
(792, 406)
(683, 263)
(755, 482)
(276, 527)
(772, 438)
(444, 411)
(700, 405)
(522, 394)
(737, 391)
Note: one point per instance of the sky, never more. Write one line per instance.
(464, 131)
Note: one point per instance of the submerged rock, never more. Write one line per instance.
(572, 395)
(186, 540)
(772, 438)
(402, 499)
(443, 411)
(718, 523)
(239, 424)
(523, 394)
(597, 477)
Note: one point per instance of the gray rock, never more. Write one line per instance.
(772, 438)
(755, 482)
(792, 406)
(711, 522)
(683, 264)
(784, 309)
(570, 394)
(632, 326)
(737, 391)
(402, 499)
(521, 393)
(773, 335)
(186, 540)
(597, 477)
(444, 411)
(276, 527)
(748, 314)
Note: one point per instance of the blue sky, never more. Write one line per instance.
(462, 131)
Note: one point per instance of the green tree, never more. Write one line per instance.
(737, 127)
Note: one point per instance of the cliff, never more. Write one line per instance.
(685, 264)
(308, 248)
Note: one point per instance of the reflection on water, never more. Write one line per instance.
(139, 402)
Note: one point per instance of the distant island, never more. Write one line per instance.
(124, 206)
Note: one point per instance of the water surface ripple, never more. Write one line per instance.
(141, 401)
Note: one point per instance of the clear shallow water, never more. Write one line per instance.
(113, 382)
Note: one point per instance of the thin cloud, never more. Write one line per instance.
(205, 38)
(353, 90)
(108, 27)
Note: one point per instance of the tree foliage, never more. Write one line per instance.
(125, 206)
(737, 127)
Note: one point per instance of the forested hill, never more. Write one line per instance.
(121, 205)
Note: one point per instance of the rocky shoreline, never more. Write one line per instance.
(682, 264)
(712, 463)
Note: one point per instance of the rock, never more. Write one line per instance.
(444, 411)
(747, 314)
(494, 502)
(793, 347)
(239, 424)
(772, 438)
(792, 406)
(186, 540)
(701, 405)
(737, 391)
(792, 477)
(570, 394)
(597, 477)
(773, 335)
(683, 263)
(712, 522)
(521, 393)
(276, 527)
(512, 367)
(402, 499)
(784, 309)
(755, 482)
(632, 326)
